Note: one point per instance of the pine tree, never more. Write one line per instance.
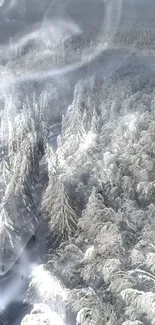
(61, 218)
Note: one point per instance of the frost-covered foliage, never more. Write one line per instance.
(22, 139)
(77, 204)
(99, 203)
(61, 218)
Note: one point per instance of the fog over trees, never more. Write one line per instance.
(77, 171)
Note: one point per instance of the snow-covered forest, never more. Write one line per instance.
(77, 180)
(99, 202)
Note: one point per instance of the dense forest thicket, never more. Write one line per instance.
(99, 201)
(77, 162)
